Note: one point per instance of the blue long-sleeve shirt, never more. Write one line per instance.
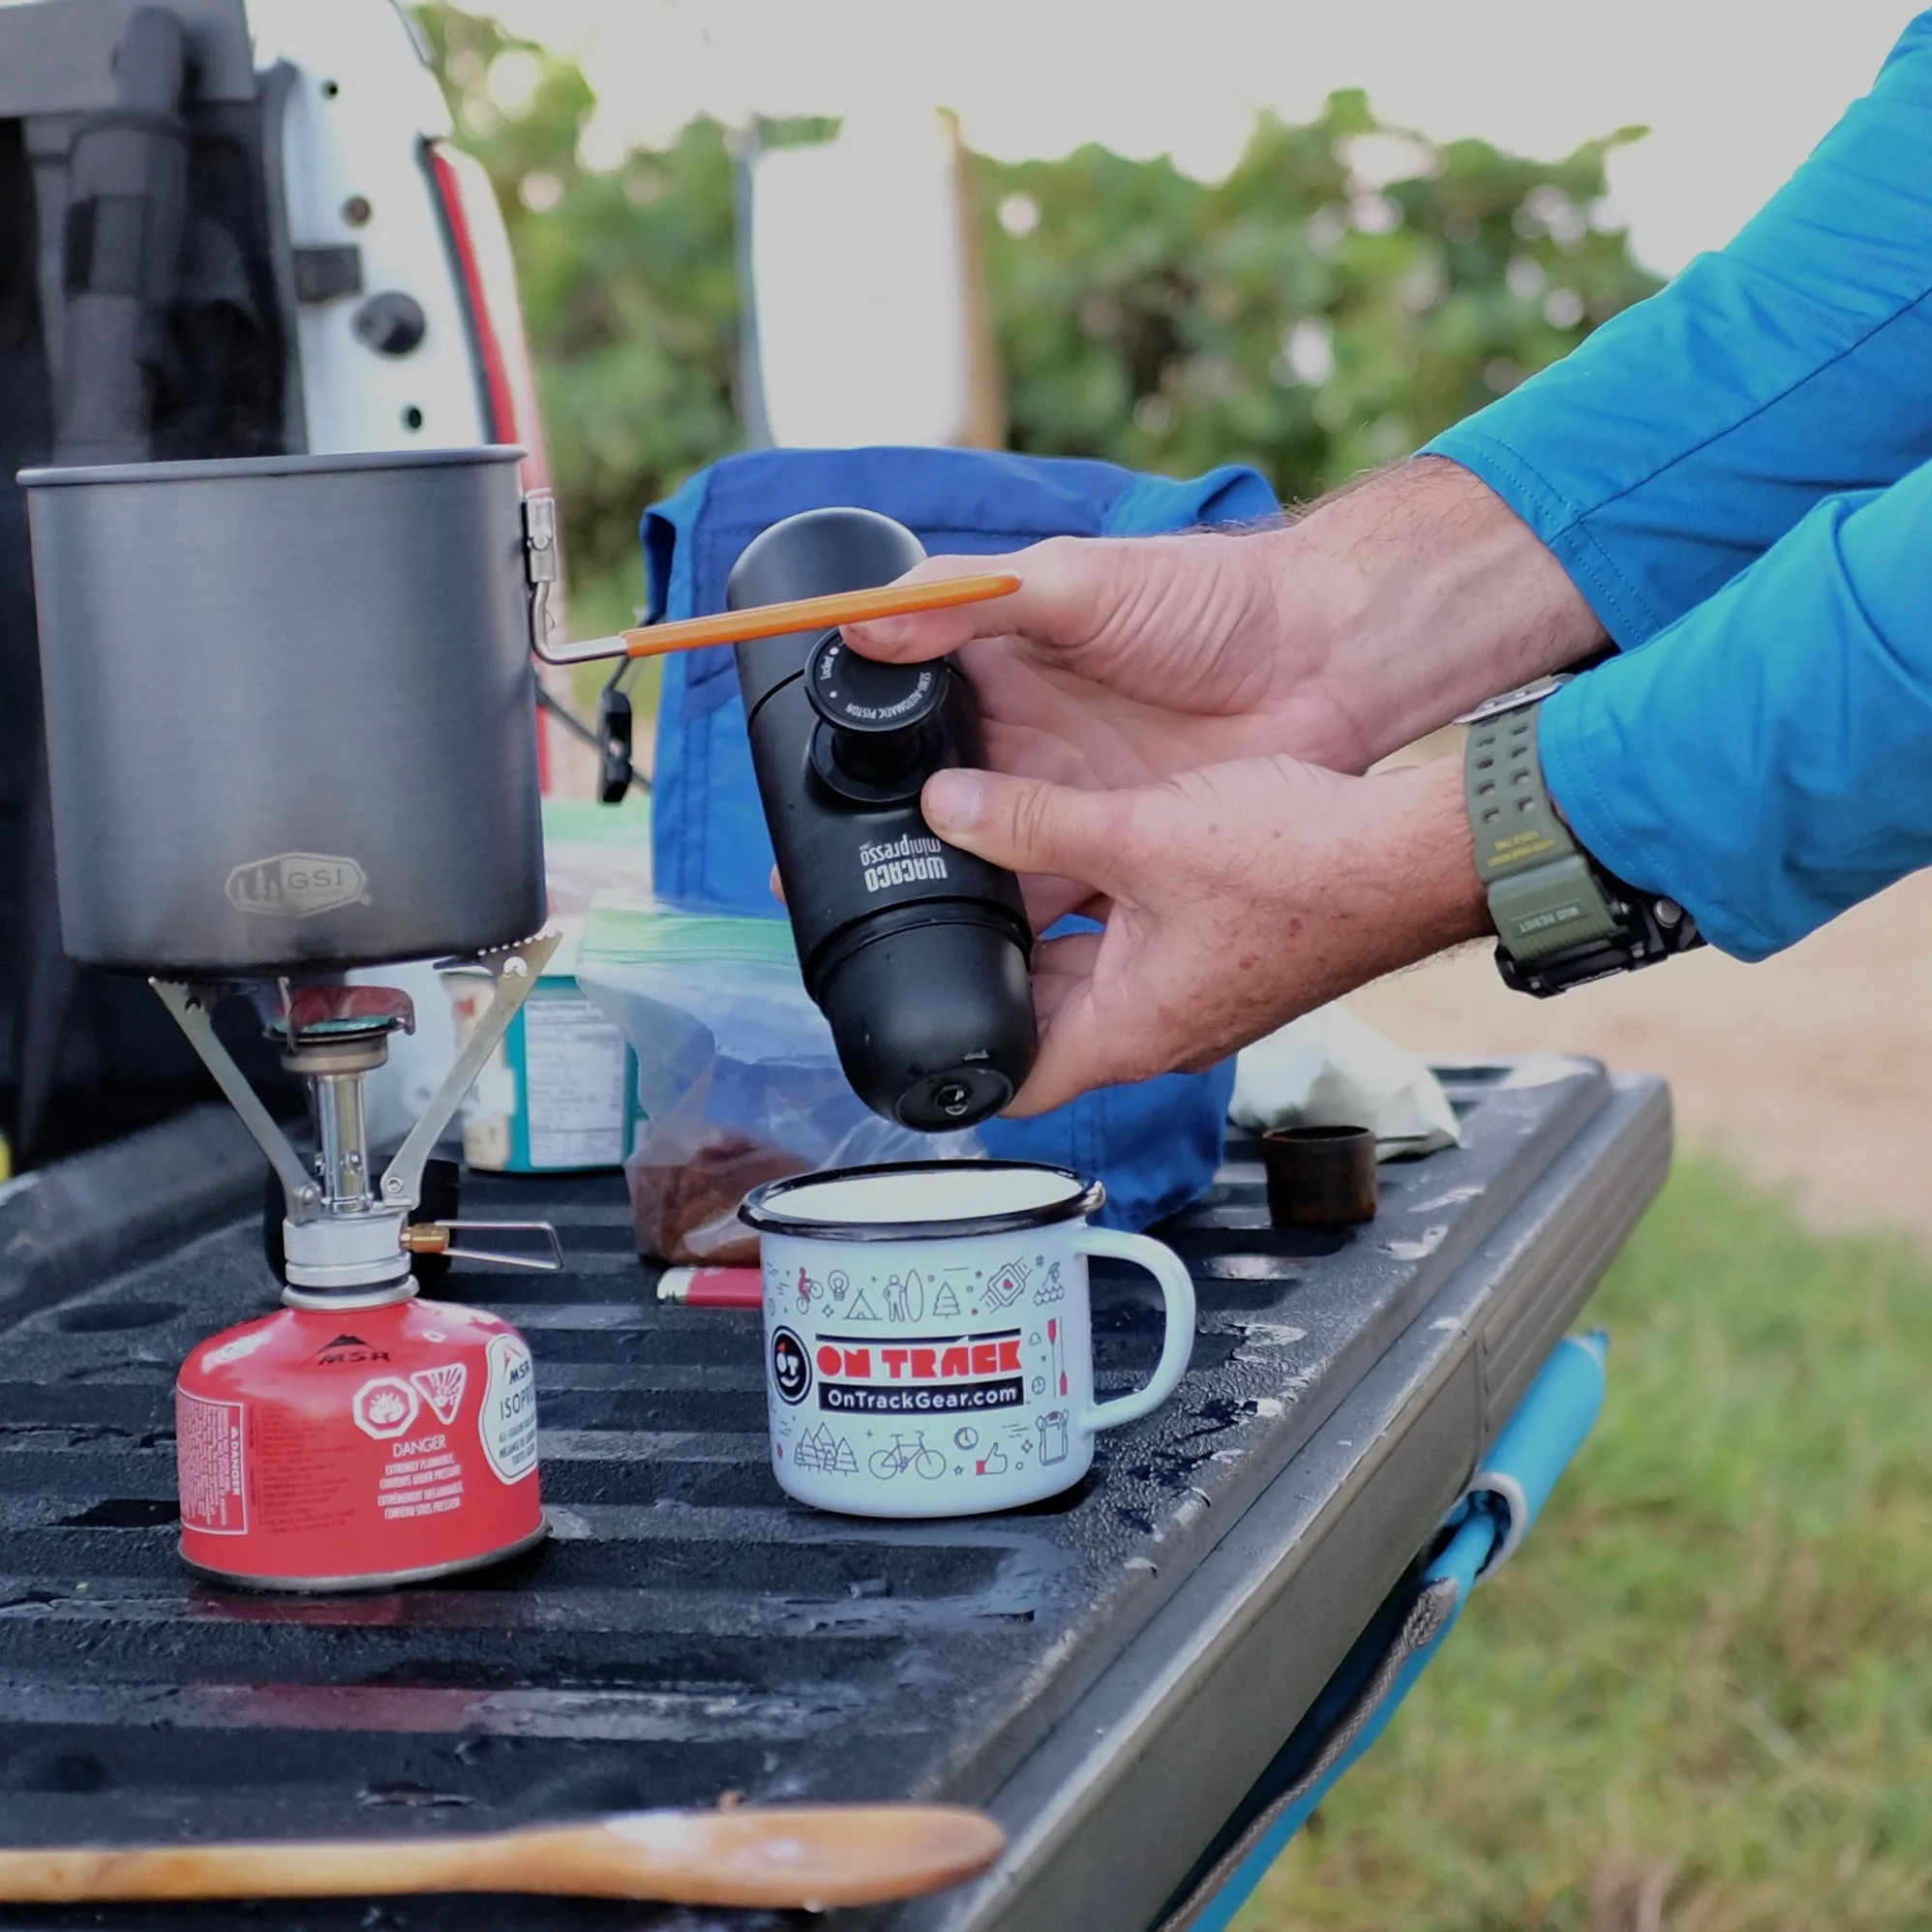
(1731, 473)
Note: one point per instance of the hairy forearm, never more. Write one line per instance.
(1420, 594)
(1404, 884)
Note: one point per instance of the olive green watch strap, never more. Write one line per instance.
(1543, 894)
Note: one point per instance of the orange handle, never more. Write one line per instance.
(844, 607)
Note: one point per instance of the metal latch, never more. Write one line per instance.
(544, 569)
(324, 273)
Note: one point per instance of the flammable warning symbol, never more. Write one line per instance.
(443, 1389)
(384, 1407)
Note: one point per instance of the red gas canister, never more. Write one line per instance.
(355, 1447)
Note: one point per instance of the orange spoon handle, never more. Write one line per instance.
(844, 607)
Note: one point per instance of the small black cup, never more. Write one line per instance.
(1320, 1177)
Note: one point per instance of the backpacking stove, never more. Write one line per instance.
(358, 1438)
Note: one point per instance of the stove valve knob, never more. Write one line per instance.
(434, 1237)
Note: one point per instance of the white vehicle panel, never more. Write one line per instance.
(357, 118)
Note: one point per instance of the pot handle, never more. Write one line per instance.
(544, 569)
(797, 613)
(1177, 1342)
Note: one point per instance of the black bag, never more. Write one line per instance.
(146, 314)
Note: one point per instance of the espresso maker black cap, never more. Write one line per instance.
(832, 550)
(935, 1014)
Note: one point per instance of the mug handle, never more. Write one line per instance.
(1177, 1342)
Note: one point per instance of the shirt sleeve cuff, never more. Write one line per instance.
(1621, 607)
(1572, 728)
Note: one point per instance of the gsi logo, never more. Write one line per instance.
(296, 885)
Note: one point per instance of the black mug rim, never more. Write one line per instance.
(756, 1210)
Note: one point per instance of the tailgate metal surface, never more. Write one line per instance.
(1105, 1670)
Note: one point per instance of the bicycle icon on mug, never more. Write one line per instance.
(908, 1452)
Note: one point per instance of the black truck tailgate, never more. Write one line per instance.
(1108, 1671)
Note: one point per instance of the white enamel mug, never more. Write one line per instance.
(928, 1344)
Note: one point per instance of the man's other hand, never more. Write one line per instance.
(1234, 898)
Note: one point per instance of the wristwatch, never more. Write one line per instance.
(1561, 919)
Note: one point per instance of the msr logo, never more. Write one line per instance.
(346, 1348)
(296, 885)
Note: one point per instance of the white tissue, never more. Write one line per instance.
(1327, 1069)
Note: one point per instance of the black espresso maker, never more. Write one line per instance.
(915, 951)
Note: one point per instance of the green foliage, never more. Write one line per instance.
(1293, 316)
(1345, 293)
(1699, 1700)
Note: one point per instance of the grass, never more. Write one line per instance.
(1700, 1697)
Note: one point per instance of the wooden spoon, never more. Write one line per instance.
(778, 1856)
(842, 607)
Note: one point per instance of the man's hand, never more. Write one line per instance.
(1377, 617)
(1149, 703)
(1120, 660)
(1235, 897)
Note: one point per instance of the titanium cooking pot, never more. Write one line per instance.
(289, 710)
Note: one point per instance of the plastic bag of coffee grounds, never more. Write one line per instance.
(737, 1073)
